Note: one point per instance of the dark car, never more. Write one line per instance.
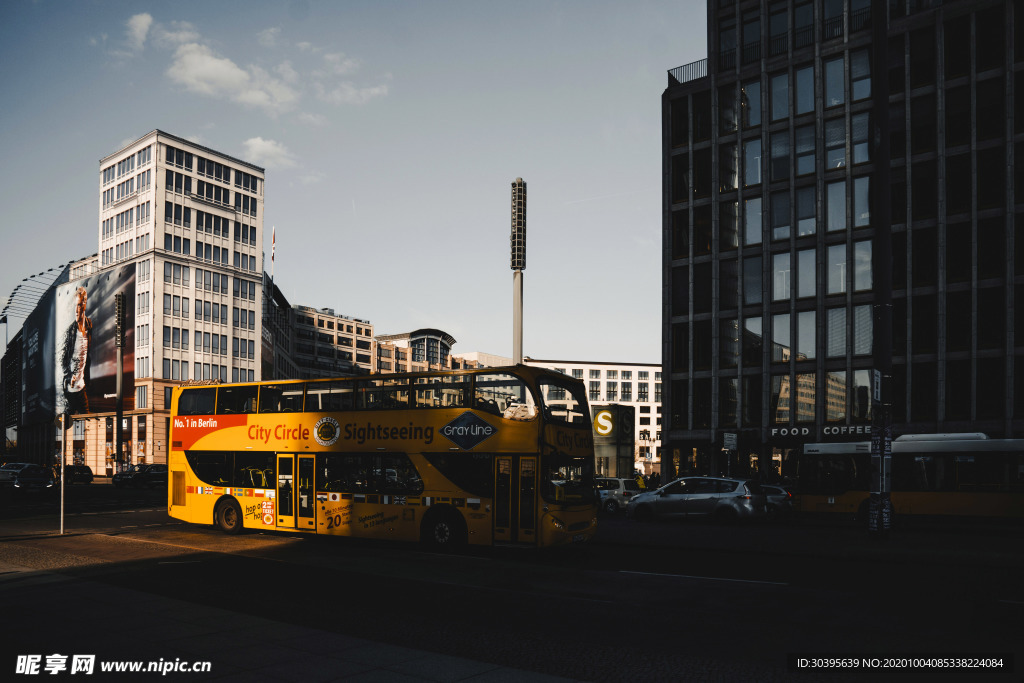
(23, 476)
(779, 501)
(155, 476)
(74, 474)
(131, 476)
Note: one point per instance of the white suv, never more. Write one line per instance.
(615, 493)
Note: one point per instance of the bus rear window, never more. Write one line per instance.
(197, 401)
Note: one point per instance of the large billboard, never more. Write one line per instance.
(85, 349)
(37, 369)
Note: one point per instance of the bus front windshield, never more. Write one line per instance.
(568, 479)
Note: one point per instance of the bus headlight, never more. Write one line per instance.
(558, 524)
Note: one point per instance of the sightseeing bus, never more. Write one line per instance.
(932, 474)
(482, 456)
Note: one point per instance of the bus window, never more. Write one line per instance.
(235, 400)
(197, 401)
(211, 467)
(391, 473)
(441, 392)
(505, 395)
(281, 398)
(254, 469)
(334, 395)
(564, 402)
(470, 472)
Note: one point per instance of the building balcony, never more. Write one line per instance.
(688, 72)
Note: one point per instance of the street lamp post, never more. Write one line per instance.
(518, 240)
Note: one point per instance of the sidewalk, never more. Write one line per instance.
(123, 625)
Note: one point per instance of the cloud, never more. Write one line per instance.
(347, 93)
(311, 119)
(138, 29)
(175, 33)
(268, 153)
(198, 69)
(340, 64)
(268, 37)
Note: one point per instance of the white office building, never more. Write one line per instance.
(191, 219)
(628, 384)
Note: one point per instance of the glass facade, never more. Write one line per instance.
(811, 161)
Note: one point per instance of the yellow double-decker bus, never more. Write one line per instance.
(483, 456)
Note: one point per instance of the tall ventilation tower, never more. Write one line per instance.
(518, 266)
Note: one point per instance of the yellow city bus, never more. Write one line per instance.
(483, 456)
(963, 474)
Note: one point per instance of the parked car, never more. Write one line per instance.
(74, 474)
(778, 501)
(155, 476)
(700, 496)
(26, 476)
(130, 476)
(615, 493)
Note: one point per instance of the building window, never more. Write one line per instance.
(752, 162)
(780, 155)
(835, 82)
(861, 201)
(752, 220)
(860, 75)
(806, 219)
(780, 96)
(806, 335)
(750, 103)
(835, 206)
(780, 338)
(862, 266)
(752, 288)
(835, 144)
(780, 215)
(781, 276)
(859, 130)
(836, 280)
(806, 260)
(805, 150)
(804, 96)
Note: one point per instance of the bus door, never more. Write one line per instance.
(296, 499)
(515, 498)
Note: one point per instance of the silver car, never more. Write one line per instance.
(615, 493)
(700, 496)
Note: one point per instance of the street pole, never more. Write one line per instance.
(119, 418)
(518, 241)
(880, 504)
(63, 457)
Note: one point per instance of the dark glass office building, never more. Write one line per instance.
(820, 141)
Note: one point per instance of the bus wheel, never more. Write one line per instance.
(229, 517)
(444, 530)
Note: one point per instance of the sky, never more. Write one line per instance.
(391, 133)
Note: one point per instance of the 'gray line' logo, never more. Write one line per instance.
(468, 431)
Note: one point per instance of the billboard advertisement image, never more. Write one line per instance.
(85, 348)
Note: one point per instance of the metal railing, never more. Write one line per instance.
(688, 72)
